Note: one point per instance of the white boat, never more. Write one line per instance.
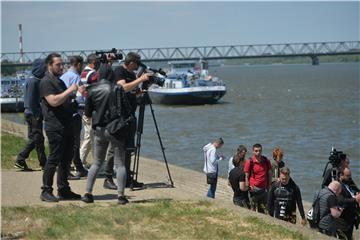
(188, 83)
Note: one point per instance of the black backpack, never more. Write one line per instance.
(313, 215)
(119, 113)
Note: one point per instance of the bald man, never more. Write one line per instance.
(329, 208)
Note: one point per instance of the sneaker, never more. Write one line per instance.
(48, 197)
(73, 177)
(122, 200)
(22, 166)
(88, 198)
(134, 184)
(82, 174)
(68, 195)
(109, 184)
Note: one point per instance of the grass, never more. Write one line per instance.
(159, 219)
(11, 146)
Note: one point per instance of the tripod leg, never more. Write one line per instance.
(139, 131)
(161, 144)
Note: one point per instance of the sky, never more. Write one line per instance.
(50, 26)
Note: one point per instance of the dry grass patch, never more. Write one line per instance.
(163, 219)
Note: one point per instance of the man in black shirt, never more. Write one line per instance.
(125, 76)
(57, 112)
(283, 197)
(237, 181)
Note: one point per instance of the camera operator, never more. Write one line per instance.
(349, 200)
(339, 162)
(125, 76)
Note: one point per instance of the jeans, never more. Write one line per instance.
(61, 144)
(212, 190)
(102, 140)
(77, 125)
(36, 140)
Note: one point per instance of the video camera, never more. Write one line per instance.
(336, 157)
(157, 76)
(102, 55)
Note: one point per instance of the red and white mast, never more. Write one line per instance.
(21, 44)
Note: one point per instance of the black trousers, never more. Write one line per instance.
(35, 140)
(60, 154)
(77, 125)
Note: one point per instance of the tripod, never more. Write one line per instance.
(145, 99)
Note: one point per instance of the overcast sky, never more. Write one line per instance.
(100, 25)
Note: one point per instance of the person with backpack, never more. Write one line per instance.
(100, 106)
(283, 197)
(211, 159)
(258, 176)
(329, 208)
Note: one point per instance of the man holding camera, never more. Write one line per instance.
(125, 76)
(57, 110)
(339, 162)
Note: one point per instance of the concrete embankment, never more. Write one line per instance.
(23, 188)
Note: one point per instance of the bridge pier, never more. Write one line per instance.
(315, 60)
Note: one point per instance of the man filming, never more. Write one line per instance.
(333, 172)
(125, 76)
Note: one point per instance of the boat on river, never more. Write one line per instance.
(188, 83)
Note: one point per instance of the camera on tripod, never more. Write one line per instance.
(156, 76)
(336, 157)
(102, 55)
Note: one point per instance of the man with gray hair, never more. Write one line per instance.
(329, 208)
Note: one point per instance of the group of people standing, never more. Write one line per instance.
(266, 186)
(51, 98)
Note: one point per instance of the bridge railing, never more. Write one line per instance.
(209, 52)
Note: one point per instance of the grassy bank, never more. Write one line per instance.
(10, 147)
(159, 219)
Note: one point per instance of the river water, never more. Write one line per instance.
(304, 109)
